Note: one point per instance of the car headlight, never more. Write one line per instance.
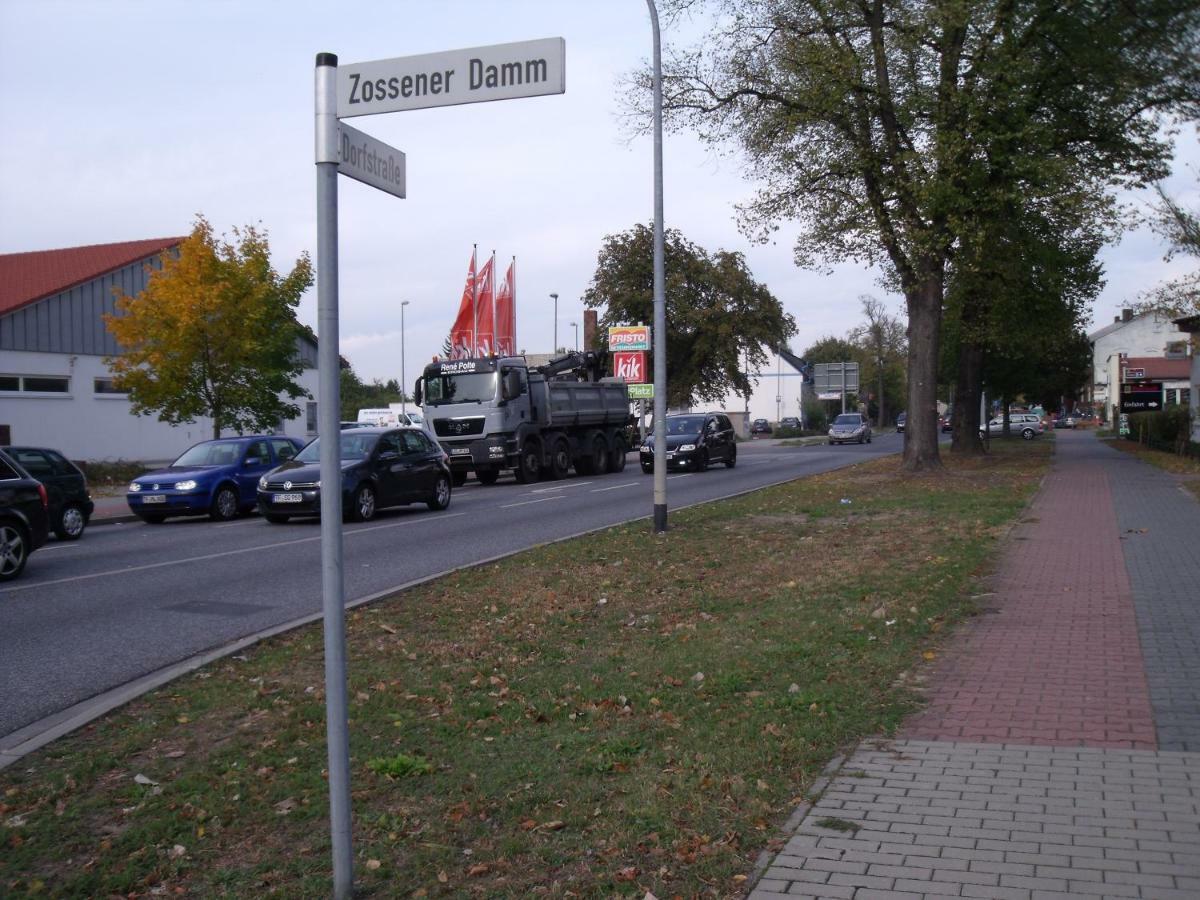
(685, 447)
(262, 483)
(134, 487)
(188, 485)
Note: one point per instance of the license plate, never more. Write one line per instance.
(460, 451)
(154, 498)
(289, 498)
(670, 456)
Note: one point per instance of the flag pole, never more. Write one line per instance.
(493, 302)
(474, 302)
(512, 307)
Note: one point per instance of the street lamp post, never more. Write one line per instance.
(403, 383)
(554, 297)
(575, 325)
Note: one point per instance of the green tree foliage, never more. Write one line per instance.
(720, 321)
(357, 394)
(866, 122)
(213, 334)
(884, 347)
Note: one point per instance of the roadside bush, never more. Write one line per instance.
(1169, 430)
(815, 418)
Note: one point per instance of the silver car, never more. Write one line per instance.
(850, 428)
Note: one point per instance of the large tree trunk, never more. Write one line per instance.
(924, 333)
(967, 393)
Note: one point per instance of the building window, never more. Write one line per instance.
(106, 386)
(40, 384)
(310, 418)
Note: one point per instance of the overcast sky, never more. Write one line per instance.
(125, 119)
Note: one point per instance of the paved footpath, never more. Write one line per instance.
(1059, 755)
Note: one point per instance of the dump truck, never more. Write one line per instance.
(495, 414)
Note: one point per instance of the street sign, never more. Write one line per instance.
(1142, 397)
(831, 378)
(630, 366)
(1135, 374)
(830, 395)
(370, 161)
(641, 391)
(452, 77)
(629, 337)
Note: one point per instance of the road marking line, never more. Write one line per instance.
(561, 487)
(614, 487)
(192, 559)
(683, 475)
(49, 547)
(527, 502)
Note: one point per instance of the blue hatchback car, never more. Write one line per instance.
(217, 478)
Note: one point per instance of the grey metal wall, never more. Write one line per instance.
(70, 322)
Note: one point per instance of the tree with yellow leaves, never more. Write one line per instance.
(213, 334)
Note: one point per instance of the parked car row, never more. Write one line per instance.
(24, 516)
(281, 476)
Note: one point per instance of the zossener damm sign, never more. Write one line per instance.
(452, 77)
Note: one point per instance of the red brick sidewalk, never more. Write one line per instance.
(1055, 658)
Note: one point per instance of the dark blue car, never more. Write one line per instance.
(217, 478)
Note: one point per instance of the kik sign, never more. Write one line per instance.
(630, 365)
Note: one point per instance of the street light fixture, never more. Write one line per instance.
(403, 385)
(554, 297)
(575, 325)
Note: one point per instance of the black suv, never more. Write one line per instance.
(66, 489)
(694, 440)
(23, 519)
(760, 426)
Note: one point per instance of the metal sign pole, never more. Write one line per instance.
(660, 305)
(328, 429)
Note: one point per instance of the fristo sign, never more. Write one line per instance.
(629, 337)
(452, 77)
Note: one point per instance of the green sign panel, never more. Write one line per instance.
(641, 392)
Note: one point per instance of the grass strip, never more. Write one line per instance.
(1168, 462)
(608, 716)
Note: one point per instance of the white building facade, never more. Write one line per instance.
(55, 388)
(1148, 334)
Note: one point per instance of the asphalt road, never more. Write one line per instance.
(129, 599)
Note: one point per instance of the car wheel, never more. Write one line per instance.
(649, 470)
(529, 466)
(560, 459)
(362, 509)
(459, 476)
(1028, 434)
(616, 456)
(71, 523)
(152, 518)
(702, 461)
(275, 518)
(441, 494)
(224, 505)
(487, 476)
(14, 550)
(731, 460)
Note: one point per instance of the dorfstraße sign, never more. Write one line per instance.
(370, 161)
(452, 77)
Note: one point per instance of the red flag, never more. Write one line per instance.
(506, 313)
(484, 343)
(462, 332)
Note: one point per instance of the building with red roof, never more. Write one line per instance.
(55, 387)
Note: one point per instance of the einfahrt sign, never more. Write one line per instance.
(452, 77)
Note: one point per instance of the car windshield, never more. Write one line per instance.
(354, 446)
(848, 419)
(473, 387)
(213, 453)
(685, 424)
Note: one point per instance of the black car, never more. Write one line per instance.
(900, 421)
(381, 467)
(71, 505)
(24, 520)
(789, 423)
(694, 440)
(760, 426)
